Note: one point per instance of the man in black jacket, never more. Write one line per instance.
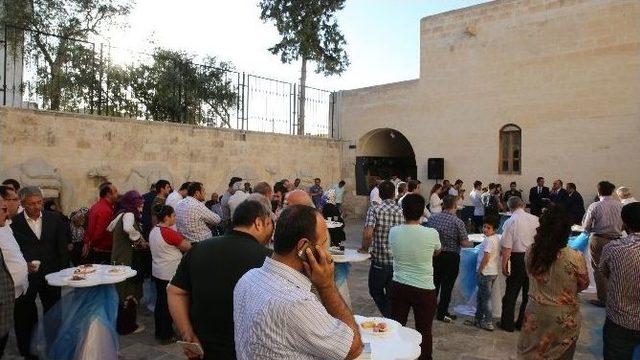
(42, 236)
(574, 204)
(538, 197)
(558, 194)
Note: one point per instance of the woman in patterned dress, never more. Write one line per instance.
(556, 275)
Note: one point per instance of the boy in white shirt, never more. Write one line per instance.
(488, 266)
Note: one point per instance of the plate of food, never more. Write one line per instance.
(78, 280)
(376, 326)
(85, 269)
(116, 270)
(336, 250)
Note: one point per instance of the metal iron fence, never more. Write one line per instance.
(50, 72)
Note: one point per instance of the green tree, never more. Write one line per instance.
(309, 32)
(174, 88)
(68, 71)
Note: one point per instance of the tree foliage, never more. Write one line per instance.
(71, 75)
(309, 31)
(60, 60)
(174, 88)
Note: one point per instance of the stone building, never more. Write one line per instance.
(508, 91)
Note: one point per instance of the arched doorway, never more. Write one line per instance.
(380, 154)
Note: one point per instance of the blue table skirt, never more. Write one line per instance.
(62, 332)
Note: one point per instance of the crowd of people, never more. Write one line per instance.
(166, 236)
(415, 248)
(248, 274)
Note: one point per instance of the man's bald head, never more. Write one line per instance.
(299, 197)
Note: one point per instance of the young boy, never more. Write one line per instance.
(487, 267)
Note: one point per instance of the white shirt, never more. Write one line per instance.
(193, 219)
(236, 199)
(165, 257)
(35, 225)
(476, 201)
(453, 191)
(374, 196)
(518, 231)
(435, 203)
(14, 259)
(276, 316)
(490, 247)
(128, 222)
(173, 199)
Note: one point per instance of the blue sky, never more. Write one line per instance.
(382, 36)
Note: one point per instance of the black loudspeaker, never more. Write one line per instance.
(435, 168)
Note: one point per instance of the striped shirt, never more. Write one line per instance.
(276, 316)
(382, 217)
(620, 263)
(603, 217)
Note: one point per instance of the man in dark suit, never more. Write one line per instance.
(42, 236)
(574, 204)
(538, 197)
(558, 195)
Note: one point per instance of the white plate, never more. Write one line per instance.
(333, 224)
(88, 281)
(392, 326)
(351, 255)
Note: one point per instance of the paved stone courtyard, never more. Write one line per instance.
(451, 341)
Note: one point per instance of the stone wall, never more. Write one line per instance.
(566, 72)
(71, 154)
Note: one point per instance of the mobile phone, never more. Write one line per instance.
(192, 347)
(302, 254)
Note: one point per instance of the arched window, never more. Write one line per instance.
(510, 150)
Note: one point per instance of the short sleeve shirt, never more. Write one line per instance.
(490, 247)
(451, 230)
(413, 247)
(382, 218)
(209, 272)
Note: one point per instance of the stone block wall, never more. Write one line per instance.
(72, 154)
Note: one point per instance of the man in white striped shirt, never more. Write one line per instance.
(276, 316)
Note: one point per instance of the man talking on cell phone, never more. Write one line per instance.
(276, 316)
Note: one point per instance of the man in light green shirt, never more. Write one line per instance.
(413, 247)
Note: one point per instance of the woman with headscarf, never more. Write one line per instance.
(77, 226)
(127, 238)
(330, 211)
